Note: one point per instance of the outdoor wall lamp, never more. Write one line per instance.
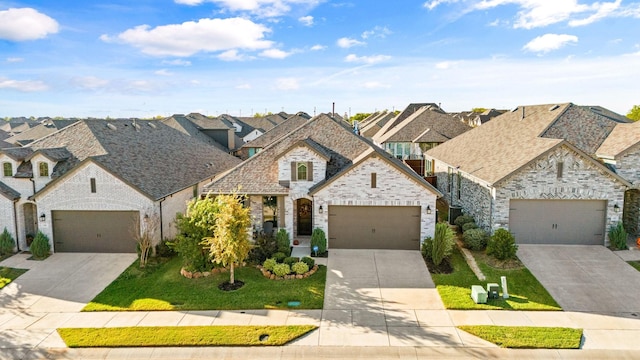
(616, 208)
(320, 210)
(428, 209)
(43, 217)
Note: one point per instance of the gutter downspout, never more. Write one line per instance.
(15, 223)
(161, 227)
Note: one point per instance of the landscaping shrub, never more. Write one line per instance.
(188, 243)
(269, 264)
(283, 242)
(290, 260)
(40, 247)
(279, 256)
(443, 242)
(6, 242)
(463, 219)
(281, 269)
(502, 245)
(618, 236)
(319, 239)
(309, 261)
(300, 268)
(426, 247)
(469, 226)
(164, 250)
(475, 239)
(263, 248)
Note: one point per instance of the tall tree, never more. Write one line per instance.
(230, 243)
(634, 113)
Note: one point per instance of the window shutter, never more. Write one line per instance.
(309, 171)
(374, 180)
(294, 171)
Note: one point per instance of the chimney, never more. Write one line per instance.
(333, 110)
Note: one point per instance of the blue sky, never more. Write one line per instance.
(142, 58)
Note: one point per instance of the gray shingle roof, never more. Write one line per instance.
(39, 131)
(281, 130)
(370, 129)
(259, 174)
(8, 192)
(416, 125)
(182, 124)
(408, 111)
(149, 155)
(17, 154)
(622, 138)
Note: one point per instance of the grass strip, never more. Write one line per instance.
(525, 291)
(635, 264)
(527, 337)
(161, 287)
(183, 336)
(7, 275)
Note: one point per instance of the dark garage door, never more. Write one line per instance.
(94, 231)
(374, 227)
(558, 221)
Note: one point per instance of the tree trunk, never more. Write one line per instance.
(232, 275)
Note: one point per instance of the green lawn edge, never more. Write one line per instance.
(174, 336)
(525, 291)
(161, 288)
(527, 337)
(7, 275)
(635, 264)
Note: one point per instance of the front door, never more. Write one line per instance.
(305, 212)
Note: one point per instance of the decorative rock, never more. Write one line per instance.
(188, 275)
(272, 277)
(197, 275)
(223, 270)
(215, 271)
(298, 276)
(206, 273)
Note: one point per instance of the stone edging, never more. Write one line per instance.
(471, 261)
(198, 274)
(269, 275)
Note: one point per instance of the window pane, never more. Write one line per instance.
(8, 169)
(302, 171)
(44, 169)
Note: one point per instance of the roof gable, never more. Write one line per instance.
(621, 140)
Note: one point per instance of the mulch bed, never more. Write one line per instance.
(444, 267)
(227, 286)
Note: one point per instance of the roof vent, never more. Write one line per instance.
(152, 125)
(111, 126)
(554, 107)
(135, 125)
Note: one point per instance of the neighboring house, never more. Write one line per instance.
(483, 117)
(4, 136)
(533, 171)
(283, 129)
(621, 152)
(17, 125)
(87, 185)
(372, 125)
(322, 175)
(45, 128)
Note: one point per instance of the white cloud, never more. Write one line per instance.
(163, 72)
(306, 20)
(243, 86)
(90, 82)
(23, 85)
(378, 31)
(275, 54)
(318, 47)
(25, 24)
(231, 55)
(287, 84)
(177, 62)
(366, 59)
(346, 43)
(14, 60)
(549, 42)
(375, 85)
(432, 4)
(188, 38)
(265, 8)
(541, 13)
(444, 65)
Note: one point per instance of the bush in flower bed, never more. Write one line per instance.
(281, 269)
(269, 264)
(298, 269)
(309, 261)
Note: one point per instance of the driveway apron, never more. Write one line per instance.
(64, 282)
(584, 278)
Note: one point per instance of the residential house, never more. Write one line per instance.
(283, 129)
(43, 129)
(372, 125)
(322, 175)
(533, 171)
(3, 137)
(17, 125)
(88, 185)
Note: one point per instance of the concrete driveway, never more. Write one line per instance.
(584, 278)
(64, 282)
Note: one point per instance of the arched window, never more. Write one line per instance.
(7, 169)
(302, 171)
(43, 169)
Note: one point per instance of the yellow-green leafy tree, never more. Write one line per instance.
(230, 243)
(634, 113)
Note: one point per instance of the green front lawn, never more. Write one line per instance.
(183, 336)
(525, 292)
(161, 287)
(635, 264)
(527, 336)
(8, 274)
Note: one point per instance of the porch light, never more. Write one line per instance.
(616, 208)
(428, 209)
(320, 210)
(43, 217)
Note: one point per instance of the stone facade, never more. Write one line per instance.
(628, 165)
(7, 216)
(489, 205)
(393, 188)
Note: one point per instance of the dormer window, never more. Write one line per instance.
(43, 169)
(7, 169)
(302, 171)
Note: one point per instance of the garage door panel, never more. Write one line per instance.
(94, 231)
(558, 221)
(374, 227)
